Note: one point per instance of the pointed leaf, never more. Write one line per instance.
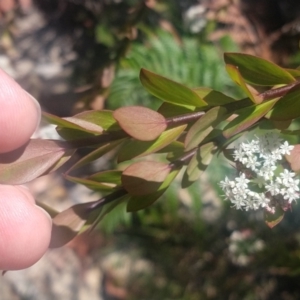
(238, 79)
(95, 154)
(144, 177)
(247, 117)
(174, 150)
(68, 223)
(294, 72)
(73, 123)
(85, 125)
(36, 158)
(70, 134)
(94, 222)
(136, 203)
(169, 90)
(138, 148)
(198, 164)
(142, 123)
(288, 107)
(171, 110)
(92, 184)
(111, 176)
(212, 97)
(258, 71)
(66, 156)
(203, 127)
(102, 118)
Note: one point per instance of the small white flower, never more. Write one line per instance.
(286, 177)
(262, 156)
(285, 148)
(238, 154)
(273, 188)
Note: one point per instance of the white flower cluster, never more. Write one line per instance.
(261, 184)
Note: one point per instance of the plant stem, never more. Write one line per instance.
(279, 92)
(184, 159)
(185, 118)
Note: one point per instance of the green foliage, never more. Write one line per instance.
(192, 62)
(186, 133)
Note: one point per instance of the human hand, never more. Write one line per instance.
(25, 228)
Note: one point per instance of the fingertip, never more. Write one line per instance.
(19, 114)
(25, 230)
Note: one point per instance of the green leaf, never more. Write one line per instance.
(258, 71)
(135, 148)
(203, 127)
(174, 150)
(102, 118)
(198, 164)
(110, 176)
(70, 134)
(212, 97)
(294, 72)
(169, 110)
(92, 184)
(144, 177)
(169, 90)
(287, 107)
(274, 219)
(247, 117)
(96, 154)
(238, 79)
(73, 123)
(36, 158)
(136, 203)
(141, 123)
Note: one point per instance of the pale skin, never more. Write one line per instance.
(25, 229)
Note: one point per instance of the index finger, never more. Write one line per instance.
(19, 114)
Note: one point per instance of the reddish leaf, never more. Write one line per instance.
(86, 125)
(140, 122)
(136, 148)
(68, 223)
(294, 158)
(36, 158)
(144, 177)
(136, 203)
(72, 123)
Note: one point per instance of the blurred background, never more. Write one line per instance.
(76, 55)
